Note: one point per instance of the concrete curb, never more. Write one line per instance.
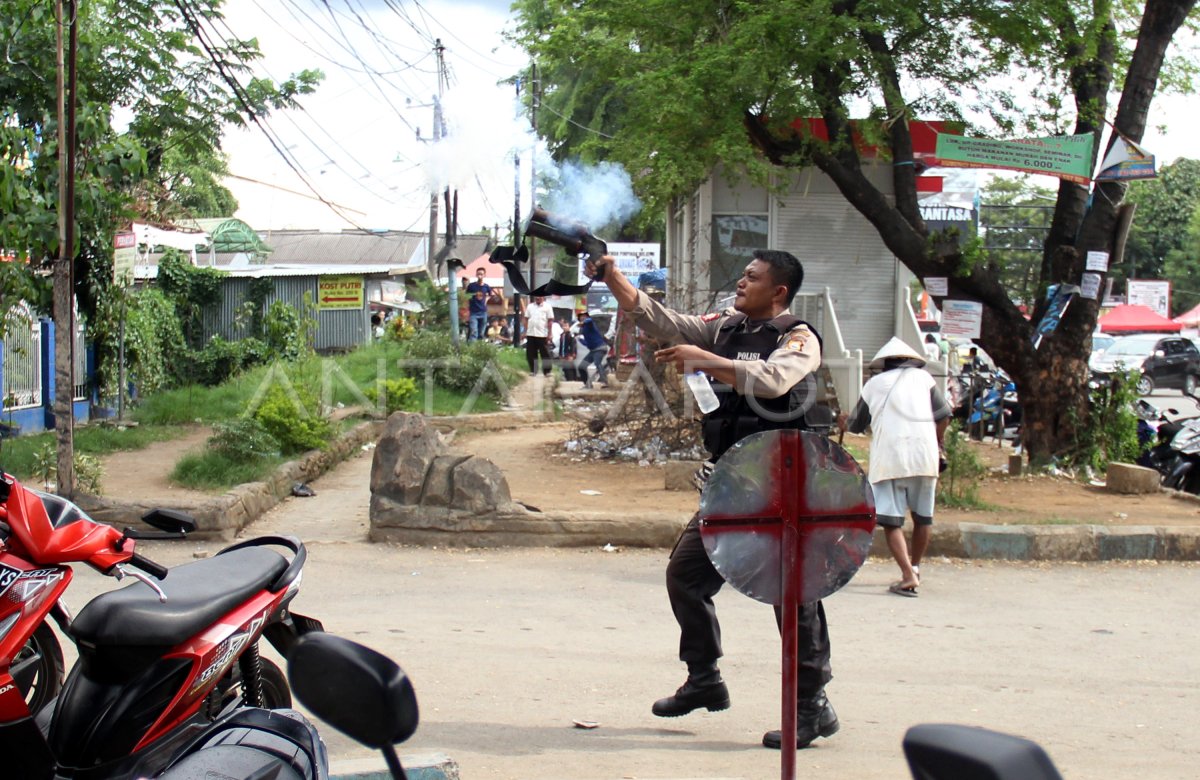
(1059, 542)
(429, 766)
(223, 516)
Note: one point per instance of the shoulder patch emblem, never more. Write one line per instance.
(710, 316)
(797, 339)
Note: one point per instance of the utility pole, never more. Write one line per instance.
(439, 133)
(533, 98)
(63, 310)
(516, 230)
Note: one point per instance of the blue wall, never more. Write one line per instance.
(41, 418)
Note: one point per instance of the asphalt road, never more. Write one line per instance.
(1183, 406)
(507, 648)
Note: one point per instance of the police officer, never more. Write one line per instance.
(762, 360)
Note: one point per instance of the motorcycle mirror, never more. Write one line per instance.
(939, 751)
(361, 693)
(170, 520)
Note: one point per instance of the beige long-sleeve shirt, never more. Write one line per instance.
(797, 354)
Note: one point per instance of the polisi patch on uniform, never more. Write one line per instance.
(710, 316)
(797, 340)
(749, 356)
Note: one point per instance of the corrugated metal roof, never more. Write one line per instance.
(393, 247)
(259, 270)
(300, 252)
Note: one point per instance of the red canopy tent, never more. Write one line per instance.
(1134, 318)
(1190, 318)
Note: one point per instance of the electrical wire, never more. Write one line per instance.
(192, 21)
(543, 107)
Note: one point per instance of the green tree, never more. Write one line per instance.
(1182, 268)
(1014, 218)
(175, 78)
(682, 87)
(1160, 224)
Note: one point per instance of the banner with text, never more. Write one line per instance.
(1068, 157)
(339, 292)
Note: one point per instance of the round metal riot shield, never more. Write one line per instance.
(779, 479)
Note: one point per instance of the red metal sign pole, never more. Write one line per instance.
(795, 500)
(790, 630)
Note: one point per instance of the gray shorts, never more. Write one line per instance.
(895, 497)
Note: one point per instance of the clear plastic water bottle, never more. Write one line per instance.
(706, 397)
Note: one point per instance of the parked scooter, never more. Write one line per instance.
(1177, 453)
(992, 407)
(159, 660)
(358, 691)
(1155, 429)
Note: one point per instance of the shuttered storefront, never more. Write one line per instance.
(842, 251)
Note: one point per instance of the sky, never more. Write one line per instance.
(355, 144)
(356, 141)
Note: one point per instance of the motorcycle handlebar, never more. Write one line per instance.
(155, 570)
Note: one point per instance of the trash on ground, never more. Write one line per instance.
(301, 490)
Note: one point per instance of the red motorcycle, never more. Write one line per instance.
(159, 660)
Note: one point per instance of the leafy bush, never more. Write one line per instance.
(154, 345)
(397, 394)
(243, 440)
(192, 289)
(1111, 434)
(88, 471)
(459, 372)
(221, 360)
(958, 485)
(291, 416)
(283, 332)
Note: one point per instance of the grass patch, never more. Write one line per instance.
(169, 414)
(213, 471)
(949, 500)
(1053, 520)
(19, 456)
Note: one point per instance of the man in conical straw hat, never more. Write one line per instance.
(908, 416)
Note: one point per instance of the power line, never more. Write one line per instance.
(329, 58)
(242, 99)
(330, 136)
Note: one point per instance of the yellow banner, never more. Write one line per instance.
(340, 292)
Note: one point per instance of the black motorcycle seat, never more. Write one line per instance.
(198, 593)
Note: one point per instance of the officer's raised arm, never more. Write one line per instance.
(657, 320)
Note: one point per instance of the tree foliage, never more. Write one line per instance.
(672, 89)
(1014, 219)
(144, 61)
(1165, 207)
(1182, 267)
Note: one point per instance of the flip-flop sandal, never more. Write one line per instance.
(899, 589)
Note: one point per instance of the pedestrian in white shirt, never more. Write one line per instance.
(908, 418)
(537, 334)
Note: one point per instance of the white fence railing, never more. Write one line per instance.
(22, 359)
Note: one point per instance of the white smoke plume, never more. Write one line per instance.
(484, 130)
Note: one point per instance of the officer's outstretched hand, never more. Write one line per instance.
(686, 357)
(597, 270)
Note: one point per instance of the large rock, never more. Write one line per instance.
(403, 456)
(439, 482)
(479, 486)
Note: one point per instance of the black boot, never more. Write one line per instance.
(703, 688)
(814, 718)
